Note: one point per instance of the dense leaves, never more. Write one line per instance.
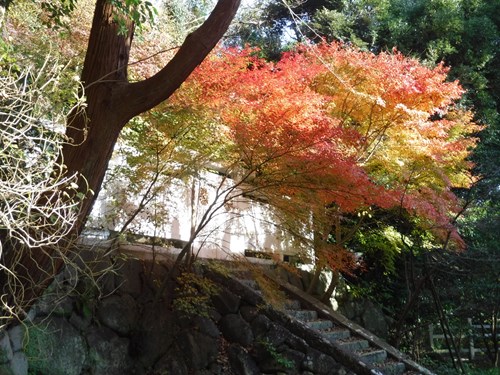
(324, 136)
(355, 128)
(464, 35)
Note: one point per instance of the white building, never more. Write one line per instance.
(229, 223)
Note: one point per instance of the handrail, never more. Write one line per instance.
(326, 312)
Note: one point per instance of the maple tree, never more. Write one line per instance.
(325, 127)
(414, 139)
(323, 136)
(464, 35)
(329, 132)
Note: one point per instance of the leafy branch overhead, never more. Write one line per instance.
(328, 132)
(329, 124)
(111, 101)
(140, 12)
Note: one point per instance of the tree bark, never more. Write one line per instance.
(93, 132)
(112, 101)
(331, 288)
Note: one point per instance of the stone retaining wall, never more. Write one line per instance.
(73, 332)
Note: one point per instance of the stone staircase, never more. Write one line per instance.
(346, 339)
(357, 345)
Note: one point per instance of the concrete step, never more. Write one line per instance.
(353, 344)
(320, 324)
(337, 334)
(303, 315)
(392, 368)
(373, 356)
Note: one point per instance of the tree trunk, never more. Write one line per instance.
(333, 284)
(111, 102)
(315, 279)
(93, 133)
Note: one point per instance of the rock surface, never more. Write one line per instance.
(118, 312)
(236, 329)
(55, 347)
(108, 353)
(6, 352)
(241, 361)
(367, 314)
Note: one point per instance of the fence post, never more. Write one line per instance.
(472, 350)
(431, 335)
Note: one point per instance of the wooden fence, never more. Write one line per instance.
(470, 341)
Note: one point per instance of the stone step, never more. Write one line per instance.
(252, 284)
(353, 344)
(320, 324)
(242, 273)
(392, 368)
(337, 334)
(303, 315)
(292, 304)
(373, 356)
(378, 358)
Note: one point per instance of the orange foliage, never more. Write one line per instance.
(329, 124)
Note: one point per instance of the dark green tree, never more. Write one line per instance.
(274, 25)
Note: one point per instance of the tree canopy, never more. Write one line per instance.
(328, 119)
(328, 131)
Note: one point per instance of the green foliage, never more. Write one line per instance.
(446, 368)
(275, 25)
(8, 63)
(480, 294)
(352, 22)
(383, 244)
(257, 25)
(193, 294)
(219, 268)
(480, 371)
(275, 354)
(139, 12)
(58, 11)
(33, 46)
(189, 12)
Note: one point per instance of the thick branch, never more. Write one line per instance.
(144, 95)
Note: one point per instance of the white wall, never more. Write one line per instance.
(241, 225)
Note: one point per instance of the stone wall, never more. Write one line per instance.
(367, 314)
(119, 329)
